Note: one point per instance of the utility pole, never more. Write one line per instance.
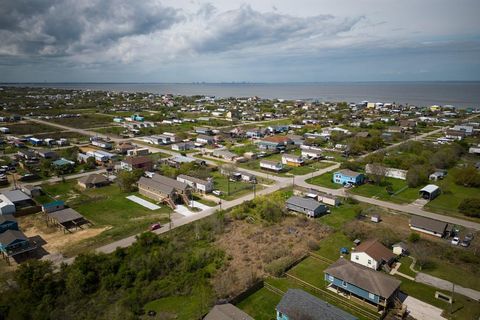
(453, 292)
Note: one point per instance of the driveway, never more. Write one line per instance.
(421, 310)
(446, 285)
(184, 211)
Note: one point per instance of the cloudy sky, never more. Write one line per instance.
(224, 40)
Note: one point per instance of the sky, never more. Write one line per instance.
(230, 41)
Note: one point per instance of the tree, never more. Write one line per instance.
(417, 175)
(470, 207)
(377, 173)
(90, 163)
(467, 177)
(126, 180)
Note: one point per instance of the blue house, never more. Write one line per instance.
(8, 222)
(298, 304)
(363, 283)
(347, 176)
(137, 117)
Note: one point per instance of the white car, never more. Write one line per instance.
(455, 241)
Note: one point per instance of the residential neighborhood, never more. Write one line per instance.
(354, 210)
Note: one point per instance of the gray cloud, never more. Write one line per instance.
(56, 28)
(244, 27)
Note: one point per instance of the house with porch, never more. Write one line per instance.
(362, 283)
(132, 163)
(13, 243)
(164, 189)
(8, 222)
(292, 160)
(199, 185)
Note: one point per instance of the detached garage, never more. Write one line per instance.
(307, 206)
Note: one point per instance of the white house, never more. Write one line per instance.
(312, 153)
(271, 165)
(372, 254)
(204, 186)
(292, 160)
(6, 206)
(389, 172)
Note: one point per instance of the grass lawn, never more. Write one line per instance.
(106, 207)
(405, 266)
(261, 304)
(462, 275)
(325, 180)
(330, 246)
(180, 308)
(85, 121)
(463, 307)
(29, 127)
(236, 188)
(204, 201)
(451, 197)
(338, 216)
(401, 192)
(311, 271)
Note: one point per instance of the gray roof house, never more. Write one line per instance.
(298, 304)
(430, 226)
(307, 206)
(226, 312)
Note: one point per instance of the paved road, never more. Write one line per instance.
(446, 285)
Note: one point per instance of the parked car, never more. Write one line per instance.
(465, 243)
(468, 237)
(217, 192)
(348, 186)
(455, 241)
(155, 226)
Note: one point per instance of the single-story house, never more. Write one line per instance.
(437, 175)
(274, 143)
(53, 206)
(312, 153)
(124, 147)
(203, 139)
(138, 152)
(430, 192)
(224, 154)
(18, 198)
(307, 206)
(372, 254)
(292, 160)
(32, 191)
(161, 188)
(132, 163)
(298, 304)
(62, 163)
(183, 146)
(226, 312)
(199, 185)
(204, 131)
(47, 154)
(400, 248)
(8, 222)
(93, 180)
(347, 176)
(364, 283)
(6, 206)
(430, 226)
(271, 165)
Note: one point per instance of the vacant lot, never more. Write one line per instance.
(108, 209)
(451, 197)
(400, 192)
(27, 127)
(233, 189)
(325, 180)
(85, 121)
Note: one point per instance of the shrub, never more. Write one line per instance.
(313, 245)
(417, 175)
(467, 177)
(470, 207)
(278, 267)
(414, 237)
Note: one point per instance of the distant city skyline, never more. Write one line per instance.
(189, 41)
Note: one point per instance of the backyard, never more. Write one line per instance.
(105, 207)
(325, 180)
(400, 192)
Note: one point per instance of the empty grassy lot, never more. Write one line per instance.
(401, 192)
(85, 121)
(27, 127)
(452, 195)
(325, 180)
(261, 304)
(178, 307)
(105, 207)
(233, 189)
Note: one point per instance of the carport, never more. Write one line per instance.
(67, 219)
(429, 192)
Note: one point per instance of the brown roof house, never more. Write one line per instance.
(132, 163)
(226, 312)
(164, 189)
(94, 180)
(372, 254)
